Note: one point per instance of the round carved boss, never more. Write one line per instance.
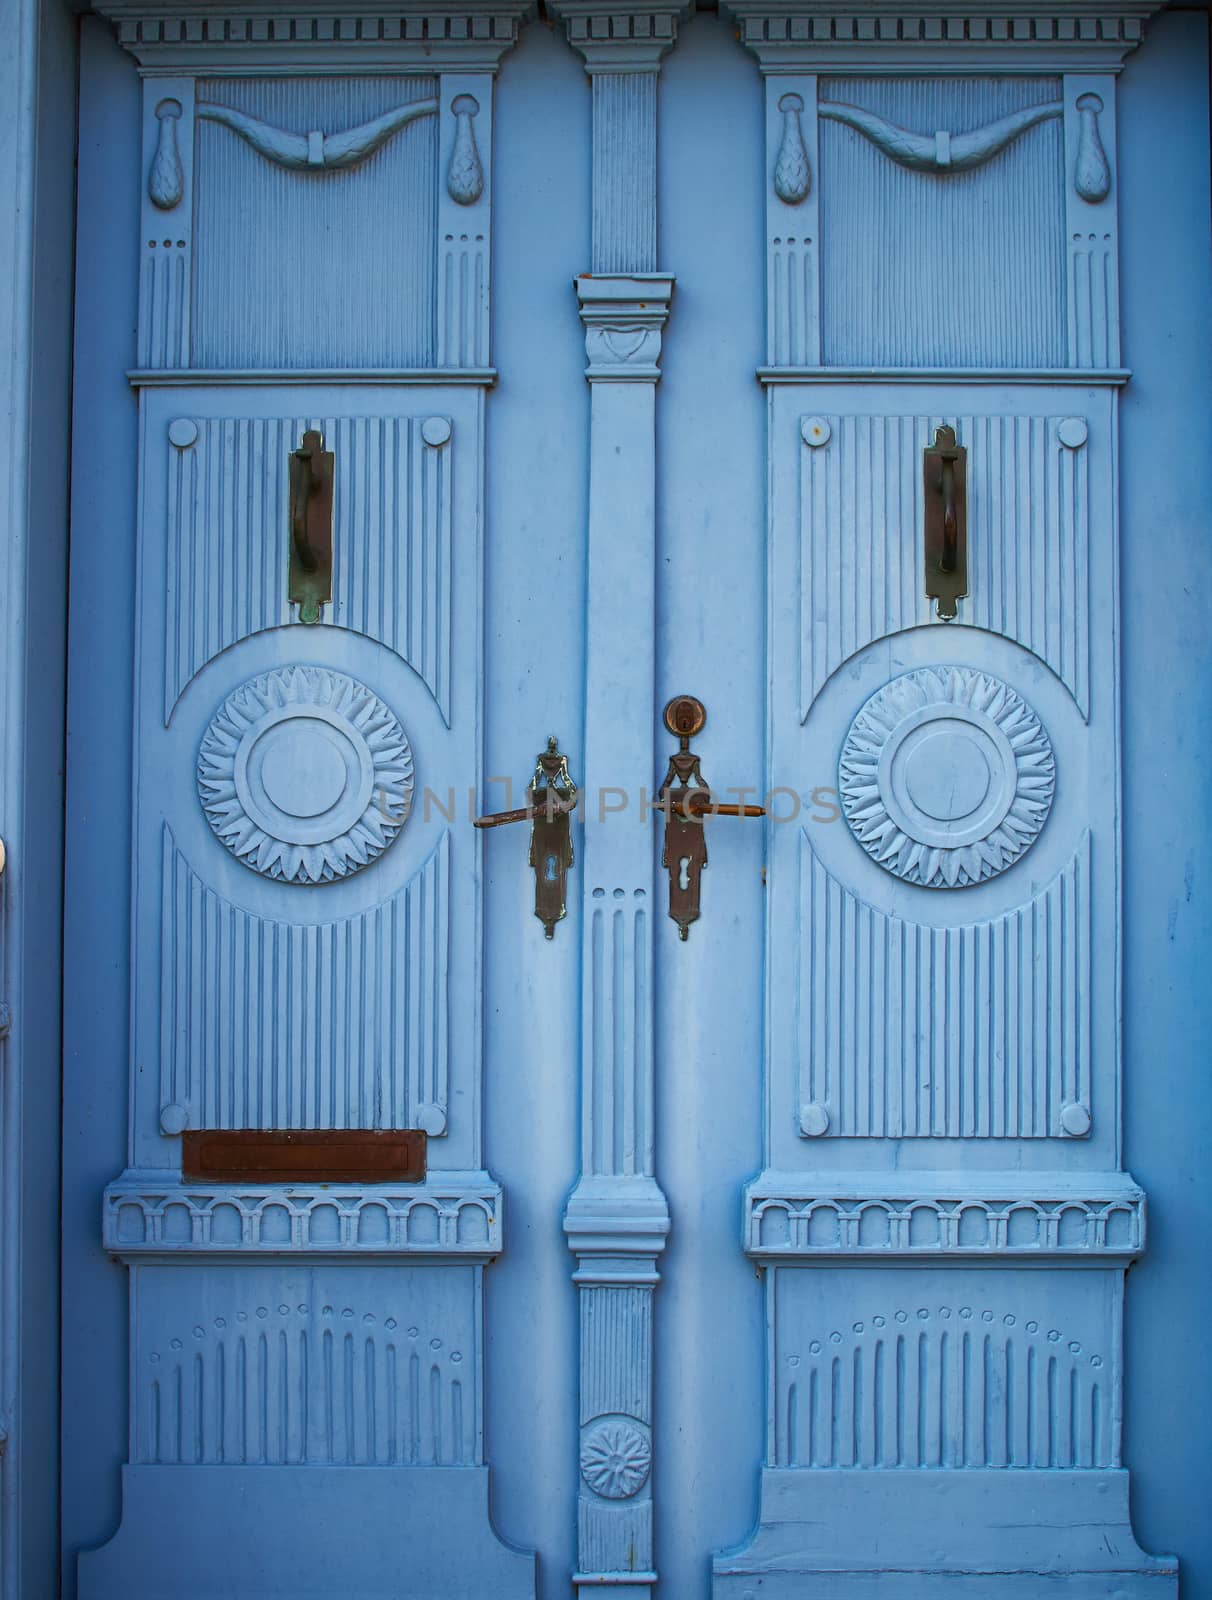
(946, 776)
(615, 1458)
(305, 775)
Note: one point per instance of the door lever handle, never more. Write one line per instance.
(551, 798)
(686, 799)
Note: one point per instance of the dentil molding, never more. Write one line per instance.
(619, 35)
(227, 37)
(942, 36)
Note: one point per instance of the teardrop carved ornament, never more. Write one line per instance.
(940, 151)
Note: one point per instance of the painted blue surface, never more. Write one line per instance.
(727, 1086)
(1167, 684)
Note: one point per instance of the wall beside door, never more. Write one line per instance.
(1166, 533)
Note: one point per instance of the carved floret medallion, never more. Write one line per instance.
(615, 1458)
(305, 775)
(946, 776)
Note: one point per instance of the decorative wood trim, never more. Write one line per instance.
(274, 377)
(1103, 377)
(619, 35)
(149, 1214)
(947, 36)
(1060, 1216)
(227, 37)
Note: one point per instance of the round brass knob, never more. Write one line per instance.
(685, 716)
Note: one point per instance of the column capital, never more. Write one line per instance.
(620, 35)
(616, 1227)
(623, 317)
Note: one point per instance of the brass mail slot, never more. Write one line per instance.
(304, 1155)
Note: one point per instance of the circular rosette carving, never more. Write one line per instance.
(615, 1459)
(305, 775)
(946, 776)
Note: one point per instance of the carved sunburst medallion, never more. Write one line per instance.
(305, 775)
(615, 1458)
(946, 776)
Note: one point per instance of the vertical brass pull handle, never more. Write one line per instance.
(311, 493)
(945, 483)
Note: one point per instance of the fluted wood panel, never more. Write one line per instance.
(968, 269)
(862, 541)
(315, 269)
(616, 1347)
(624, 172)
(341, 1373)
(228, 541)
(914, 1031)
(268, 1024)
(164, 300)
(957, 1385)
(618, 1118)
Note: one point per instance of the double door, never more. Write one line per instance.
(643, 1197)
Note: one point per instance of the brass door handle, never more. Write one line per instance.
(685, 798)
(945, 482)
(311, 492)
(551, 798)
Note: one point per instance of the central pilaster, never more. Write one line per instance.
(617, 1218)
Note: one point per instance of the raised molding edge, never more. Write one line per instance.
(227, 36)
(944, 36)
(273, 377)
(142, 1200)
(1103, 1216)
(1079, 377)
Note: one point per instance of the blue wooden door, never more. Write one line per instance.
(773, 1250)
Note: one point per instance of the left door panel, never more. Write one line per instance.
(305, 956)
(305, 1350)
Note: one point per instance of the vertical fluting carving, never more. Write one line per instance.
(1092, 172)
(624, 172)
(372, 307)
(913, 1031)
(616, 1334)
(163, 302)
(166, 180)
(225, 549)
(1028, 541)
(1005, 287)
(955, 1385)
(465, 175)
(345, 1376)
(269, 1024)
(619, 1113)
(792, 172)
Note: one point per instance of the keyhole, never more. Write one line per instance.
(684, 873)
(551, 869)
